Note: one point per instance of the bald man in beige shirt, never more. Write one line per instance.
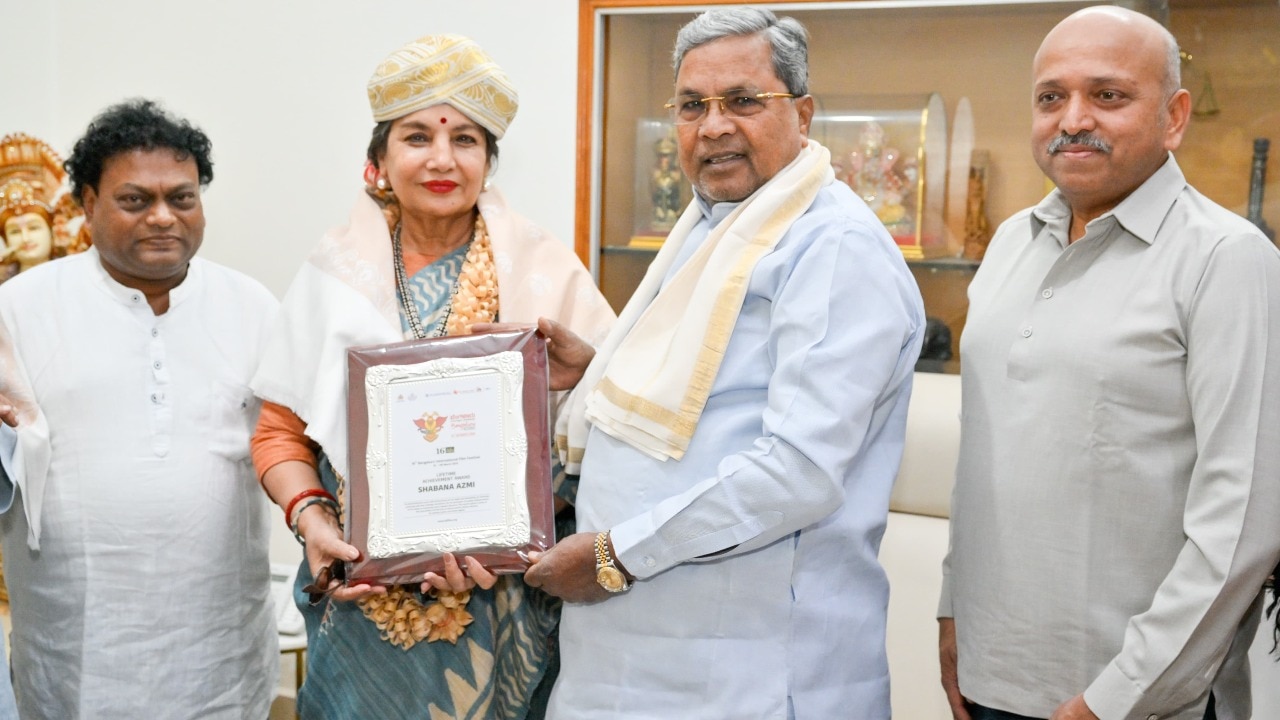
(1117, 499)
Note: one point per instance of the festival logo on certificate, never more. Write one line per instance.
(430, 425)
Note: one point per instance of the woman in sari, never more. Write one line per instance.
(429, 250)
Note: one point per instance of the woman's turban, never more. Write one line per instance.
(439, 69)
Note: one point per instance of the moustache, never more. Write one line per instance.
(1083, 137)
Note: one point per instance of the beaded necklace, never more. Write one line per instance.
(407, 304)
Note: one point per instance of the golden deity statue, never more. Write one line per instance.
(665, 185)
(39, 220)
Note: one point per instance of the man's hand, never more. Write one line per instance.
(8, 412)
(947, 656)
(569, 354)
(1073, 709)
(568, 570)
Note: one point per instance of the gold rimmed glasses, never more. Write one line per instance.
(686, 109)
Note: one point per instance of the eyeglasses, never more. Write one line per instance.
(686, 109)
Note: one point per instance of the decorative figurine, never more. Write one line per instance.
(665, 184)
(38, 219)
(874, 175)
(977, 229)
(1258, 183)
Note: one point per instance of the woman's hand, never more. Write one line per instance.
(325, 547)
(455, 580)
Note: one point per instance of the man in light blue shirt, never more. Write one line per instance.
(743, 424)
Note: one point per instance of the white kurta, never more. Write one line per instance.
(149, 594)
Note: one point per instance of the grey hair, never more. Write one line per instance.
(787, 37)
(1172, 64)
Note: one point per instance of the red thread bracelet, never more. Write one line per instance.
(310, 492)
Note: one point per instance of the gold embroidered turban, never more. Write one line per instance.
(443, 69)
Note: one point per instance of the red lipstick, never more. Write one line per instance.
(440, 186)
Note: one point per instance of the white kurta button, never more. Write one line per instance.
(155, 332)
(156, 364)
(136, 298)
(155, 398)
(1046, 293)
(1026, 332)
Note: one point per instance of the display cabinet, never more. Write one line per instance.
(957, 72)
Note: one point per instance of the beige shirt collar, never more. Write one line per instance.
(1141, 214)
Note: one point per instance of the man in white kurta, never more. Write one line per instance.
(752, 542)
(137, 563)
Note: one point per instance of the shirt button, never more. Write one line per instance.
(136, 298)
(155, 398)
(156, 364)
(1153, 716)
(155, 332)
(1046, 293)
(1026, 332)
(649, 562)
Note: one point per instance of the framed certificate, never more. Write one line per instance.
(450, 451)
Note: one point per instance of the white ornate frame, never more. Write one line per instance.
(515, 532)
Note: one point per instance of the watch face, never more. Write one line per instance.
(611, 579)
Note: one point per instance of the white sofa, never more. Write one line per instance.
(915, 542)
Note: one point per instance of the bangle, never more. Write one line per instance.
(315, 500)
(311, 492)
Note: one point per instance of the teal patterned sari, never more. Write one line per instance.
(502, 666)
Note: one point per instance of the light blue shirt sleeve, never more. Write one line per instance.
(8, 446)
(838, 321)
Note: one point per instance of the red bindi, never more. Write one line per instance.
(443, 121)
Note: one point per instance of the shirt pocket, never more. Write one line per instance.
(233, 414)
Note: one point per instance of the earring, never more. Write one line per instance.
(486, 184)
(381, 183)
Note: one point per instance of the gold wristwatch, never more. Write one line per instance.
(607, 573)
